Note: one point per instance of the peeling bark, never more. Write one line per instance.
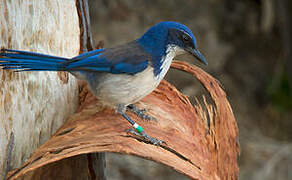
(194, 147)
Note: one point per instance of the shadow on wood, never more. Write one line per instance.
(200, 144)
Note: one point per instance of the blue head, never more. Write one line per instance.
(165, 34)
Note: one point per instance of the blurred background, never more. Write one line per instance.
(248, 46)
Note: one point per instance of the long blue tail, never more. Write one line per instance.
(31, 61)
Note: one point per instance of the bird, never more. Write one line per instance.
(119, 76)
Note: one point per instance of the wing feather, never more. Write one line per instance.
(129, 59)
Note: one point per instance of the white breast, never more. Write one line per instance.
(114, 89)
(171, 52)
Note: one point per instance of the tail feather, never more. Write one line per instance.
(12, 51)
(31, 61)
(87, 54)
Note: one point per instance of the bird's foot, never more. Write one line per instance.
(139, 130)
(141, 113)
(147, 138)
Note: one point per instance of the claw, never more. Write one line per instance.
(141, 113)
(147, 138)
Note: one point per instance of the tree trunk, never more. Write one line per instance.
(33, 105)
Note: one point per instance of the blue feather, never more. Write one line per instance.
(93, 61)
(18, 52)
(129, 68)
(88, 54)
(23, 60)
(117, 60)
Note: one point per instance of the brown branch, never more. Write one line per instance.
(86, 40)
(96, 162)
(97, 165)
(193, 147)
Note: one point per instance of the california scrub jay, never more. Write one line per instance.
(122, 75)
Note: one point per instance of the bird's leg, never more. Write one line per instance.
(140, 132)
(141, 113)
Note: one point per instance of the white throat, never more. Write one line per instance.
(171, 52)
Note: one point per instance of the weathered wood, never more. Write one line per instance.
(199, 144)
(34, 105)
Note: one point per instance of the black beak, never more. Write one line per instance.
(198, 55)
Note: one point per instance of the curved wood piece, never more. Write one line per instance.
(200, 144)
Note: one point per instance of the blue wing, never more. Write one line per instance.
(129, 59)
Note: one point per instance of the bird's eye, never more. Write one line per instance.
(185, 38)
